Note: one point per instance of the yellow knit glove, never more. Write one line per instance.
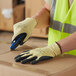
(25, 26)
(38, 54)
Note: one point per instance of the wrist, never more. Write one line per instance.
(42, 17)
(59, 46)
(55, 49)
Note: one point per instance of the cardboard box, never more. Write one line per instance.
(33, 7)
(59, 66)
(2, 48)
(17, 15)
(5, 40)
(0, 18)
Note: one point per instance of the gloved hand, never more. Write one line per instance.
(25, 26)
(38, 54)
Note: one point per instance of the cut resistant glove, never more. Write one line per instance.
(38, 54)
(25, 26)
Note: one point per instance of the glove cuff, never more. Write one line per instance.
(59, 47)
(32, 20)
(56, 49)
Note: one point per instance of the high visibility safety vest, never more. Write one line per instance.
(62, 22)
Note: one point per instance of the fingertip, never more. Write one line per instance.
(34, 62)
(17, 56)
(17, 60)
(24, 61)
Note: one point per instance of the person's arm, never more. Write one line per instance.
(39, 19)
(68, 43)
(43, 16)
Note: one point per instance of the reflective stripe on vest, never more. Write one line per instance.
(68, 28)
(56, 25)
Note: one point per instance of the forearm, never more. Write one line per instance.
(43, 16)
(68, 43)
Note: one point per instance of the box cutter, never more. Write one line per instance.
(18, 41)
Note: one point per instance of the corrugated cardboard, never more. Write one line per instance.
(59, 66)
(33, 6)
(5, 4)
(6, 24)
(17, 15)
(5, 40)
(2, 48)
(0, 17)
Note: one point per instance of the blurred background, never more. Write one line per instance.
(13, 11)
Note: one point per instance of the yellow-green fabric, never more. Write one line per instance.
(65, 19)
